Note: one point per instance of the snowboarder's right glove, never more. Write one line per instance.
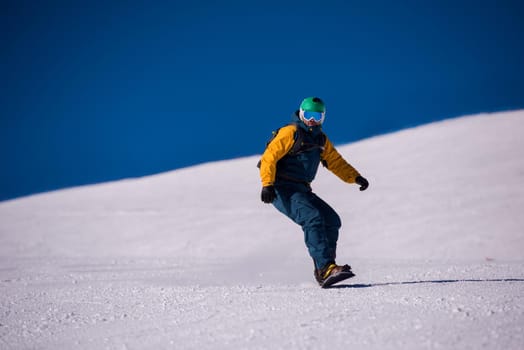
(268, 194)
(362, 182)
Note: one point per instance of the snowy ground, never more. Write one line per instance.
(70, 303)
(192, 259)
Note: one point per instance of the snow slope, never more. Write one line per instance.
(192, 258)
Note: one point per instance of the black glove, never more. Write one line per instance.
(268, 194)
(362, 182)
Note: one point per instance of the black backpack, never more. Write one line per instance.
(299, 146)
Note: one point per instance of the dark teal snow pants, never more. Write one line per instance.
(318, 220)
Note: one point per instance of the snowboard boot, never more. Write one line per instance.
(332, 274)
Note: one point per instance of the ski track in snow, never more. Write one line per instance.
(436, 243)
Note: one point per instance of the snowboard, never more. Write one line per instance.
(341, 276)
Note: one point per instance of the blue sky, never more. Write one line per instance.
(96, 91)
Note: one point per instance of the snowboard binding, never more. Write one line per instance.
(332, 274)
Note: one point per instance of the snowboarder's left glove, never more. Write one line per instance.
(362, 182)
(268, 194)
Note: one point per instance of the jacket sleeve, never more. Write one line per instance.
(277, 148)
(338, 165)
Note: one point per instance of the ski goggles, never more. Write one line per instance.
(317, 117)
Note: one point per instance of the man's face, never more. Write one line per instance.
(311, 122)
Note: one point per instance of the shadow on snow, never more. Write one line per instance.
(360, 285)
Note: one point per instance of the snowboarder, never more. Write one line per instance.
(287, 168)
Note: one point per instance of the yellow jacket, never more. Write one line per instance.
(279, 147)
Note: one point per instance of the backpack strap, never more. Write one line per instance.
(299, 146)
(299, 140)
